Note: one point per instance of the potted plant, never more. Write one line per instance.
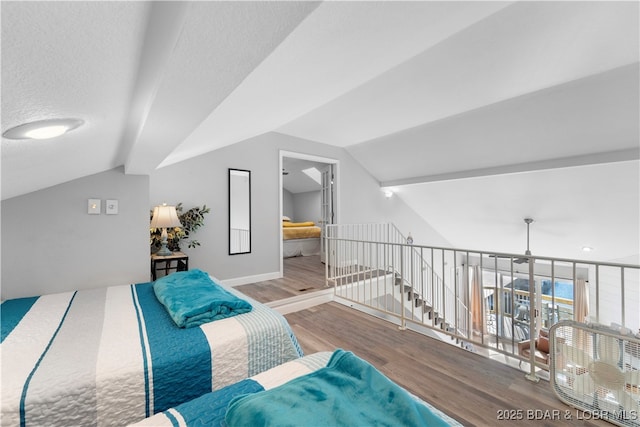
(191, 221)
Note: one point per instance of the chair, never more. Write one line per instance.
(541, 345)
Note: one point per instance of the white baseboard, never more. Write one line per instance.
(238, 281)
(302, 302)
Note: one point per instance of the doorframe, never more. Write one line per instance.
(336, 188)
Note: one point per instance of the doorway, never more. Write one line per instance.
(309, 189)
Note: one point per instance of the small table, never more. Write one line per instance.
(176, 261)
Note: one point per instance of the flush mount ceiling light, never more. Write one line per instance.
(43, 129)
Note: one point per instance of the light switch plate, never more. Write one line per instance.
(93, 207)
(112, 207)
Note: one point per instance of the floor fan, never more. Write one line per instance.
(596, 369)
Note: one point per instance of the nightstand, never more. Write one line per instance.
(177, 261)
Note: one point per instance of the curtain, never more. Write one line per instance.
(478, 323)
(580, 301)
(581, 339)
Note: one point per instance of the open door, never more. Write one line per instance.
(295, 171)
(326, 208)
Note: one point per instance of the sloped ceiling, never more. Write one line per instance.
(296, 180)
(477, 113)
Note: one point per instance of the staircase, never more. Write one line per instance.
(362, 256)
(423, 310)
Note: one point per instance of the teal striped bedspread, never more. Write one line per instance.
(114, 356)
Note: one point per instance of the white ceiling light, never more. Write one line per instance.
(43, 129)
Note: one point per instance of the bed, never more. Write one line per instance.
(300, 239)
(265, 394)
(114, 355)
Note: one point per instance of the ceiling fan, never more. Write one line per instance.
(521, 260)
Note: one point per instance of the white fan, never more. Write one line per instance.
(597, 370)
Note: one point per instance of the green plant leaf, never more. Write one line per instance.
(191, 221)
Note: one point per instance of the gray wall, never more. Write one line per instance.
(203, 180)
(52, 245)
(306, 206)
(287, 204)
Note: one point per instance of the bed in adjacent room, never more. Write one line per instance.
(323, 388)
(300, 239)
(116, 355)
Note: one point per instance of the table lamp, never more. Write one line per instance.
(164, 217)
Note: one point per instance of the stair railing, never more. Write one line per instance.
(368, 251)
(372, 266)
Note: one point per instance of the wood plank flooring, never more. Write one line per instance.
(302, 274)
(469, 387)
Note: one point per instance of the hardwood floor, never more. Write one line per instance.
(302, 274)
(469, 387)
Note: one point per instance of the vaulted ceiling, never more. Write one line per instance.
(477, 113)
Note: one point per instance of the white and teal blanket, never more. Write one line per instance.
(322, 389)
(113, 356)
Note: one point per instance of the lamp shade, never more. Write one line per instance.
(165, 217)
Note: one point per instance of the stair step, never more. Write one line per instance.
(428, 310)
(397, 279)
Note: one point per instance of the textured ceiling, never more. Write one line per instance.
(83, 69)
(469, 109)
(335, 50)
(517, 50)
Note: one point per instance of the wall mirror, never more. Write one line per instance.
(239, 211)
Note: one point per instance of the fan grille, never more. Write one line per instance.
(596, 369)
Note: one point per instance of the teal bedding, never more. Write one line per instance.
(192, 299)
(348, 391)
(113, 356)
